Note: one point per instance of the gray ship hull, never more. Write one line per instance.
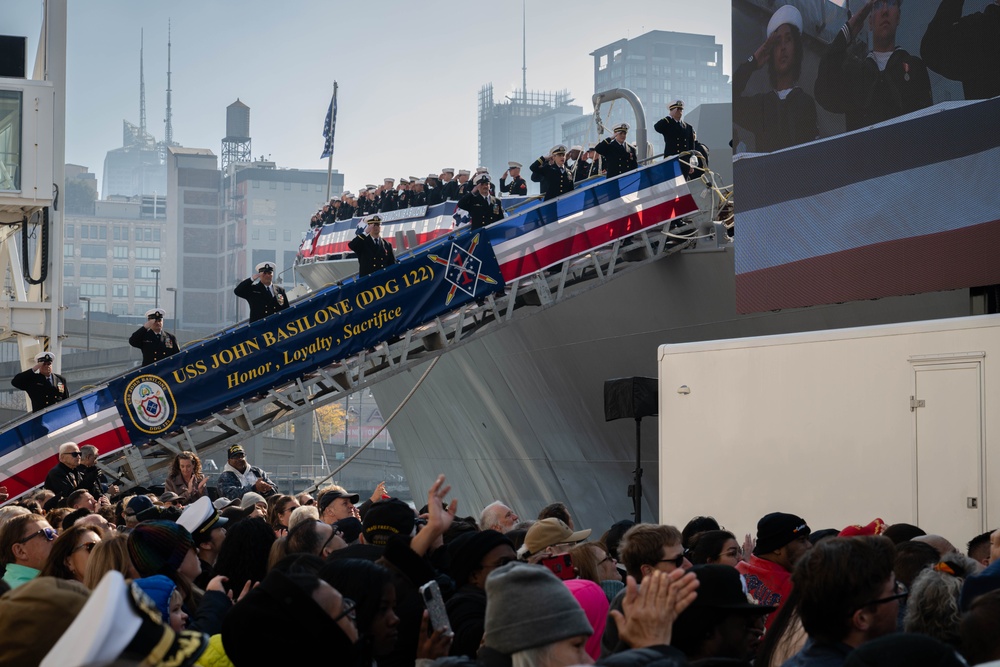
(518, 414)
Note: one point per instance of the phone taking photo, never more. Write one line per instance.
(561, 566)
(431, 594)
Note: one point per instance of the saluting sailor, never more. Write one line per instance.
(43, 387)
(373, 251)
(619, 155)
(482, 206)
(263, 297)
(154, 342)
(518, 187)
(551, 174)
(678, 136)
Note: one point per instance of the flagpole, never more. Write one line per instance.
(329, 161)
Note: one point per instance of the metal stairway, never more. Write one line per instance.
(524, 296)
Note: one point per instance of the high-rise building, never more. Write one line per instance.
(139, 167)
(507, 130)
(198, 255)
(659, 67)
(110, 255)
(267, 212)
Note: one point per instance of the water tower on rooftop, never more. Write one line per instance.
(236, 144)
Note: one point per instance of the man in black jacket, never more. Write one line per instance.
(887, 83)
(965, 48)
(154, 342)
(551, 173)
(373, 251)
(449, 186)
(64, 479)
(482, 206)
(678, 136)
(264, 297)
(43, 387)
(619, 155)
(518, 187)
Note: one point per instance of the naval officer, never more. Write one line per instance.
(154, 342)
(518, 187)
(43, 387)
(373, 251)
(551, 173)
(264, 297)
(619, 155)
(678, 136)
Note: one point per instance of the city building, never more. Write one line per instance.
(267, 212)
(112, 257)
(508, 129)
(659, 67)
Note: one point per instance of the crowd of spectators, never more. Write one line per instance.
(255, 579)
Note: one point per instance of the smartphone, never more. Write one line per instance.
(431, 594)
(561, 566)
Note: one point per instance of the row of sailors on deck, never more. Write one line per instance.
(556, 173)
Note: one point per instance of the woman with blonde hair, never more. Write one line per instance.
(109, 554)
(185, 478)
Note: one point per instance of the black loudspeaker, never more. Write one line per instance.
(630, 398)
(12, 55)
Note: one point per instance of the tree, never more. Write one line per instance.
(331, 418)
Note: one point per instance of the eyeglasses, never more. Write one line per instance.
(611, 558)
(89, 546)
(678, 560)
(900, 592)
(75, 455)
(49, 533)
(348, 609)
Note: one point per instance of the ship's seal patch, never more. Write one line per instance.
(150, 404)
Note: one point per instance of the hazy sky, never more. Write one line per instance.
(409, 73)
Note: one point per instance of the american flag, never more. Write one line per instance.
(330, 126)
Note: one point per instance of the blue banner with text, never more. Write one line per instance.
(317, 331)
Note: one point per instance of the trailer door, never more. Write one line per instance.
(947, 405)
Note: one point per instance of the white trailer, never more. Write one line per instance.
(899, 421)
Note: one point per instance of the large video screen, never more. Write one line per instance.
(866, 149)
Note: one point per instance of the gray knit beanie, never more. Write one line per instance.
(527, 606)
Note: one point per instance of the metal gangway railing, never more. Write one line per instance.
(524, 295)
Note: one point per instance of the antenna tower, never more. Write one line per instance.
(524, 52)
(168, 134)
(142, 92)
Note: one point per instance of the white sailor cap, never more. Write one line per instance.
(388, 180)
(576, 147)
(45, 356)
(404, 179)
(201, 518)
(419, 181)
(514, 165)
(448, 170)
(558, 149)
(785, 14)
(371, 187)
(413, 179)
(265, 266)
(430, 176)
(481, 170)
(157, 313)
(481, 178)
(347, 193)
(463, 172)
(622, 127)
(120, 622)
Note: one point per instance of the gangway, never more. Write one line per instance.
(546, 254)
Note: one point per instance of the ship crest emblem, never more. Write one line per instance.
(150, 404)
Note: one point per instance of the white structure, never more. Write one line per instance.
(838, 427)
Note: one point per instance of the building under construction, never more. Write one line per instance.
(506, 128)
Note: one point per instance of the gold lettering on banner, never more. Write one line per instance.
(317, 321)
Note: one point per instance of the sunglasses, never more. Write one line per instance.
(678, 561)
(267, 270)
(75, 455)
(49, 533)
(89, 546)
